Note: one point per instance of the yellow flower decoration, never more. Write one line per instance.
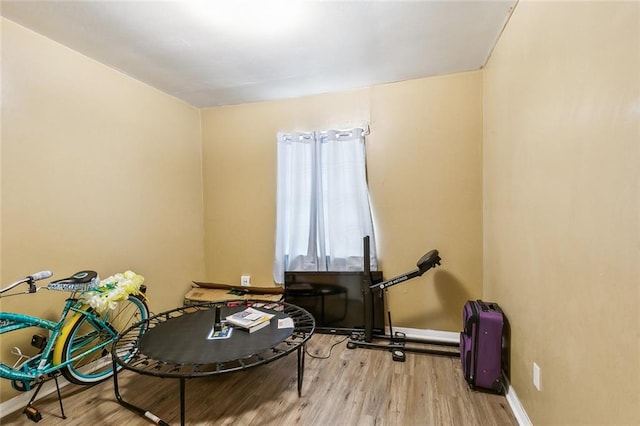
(112, 290)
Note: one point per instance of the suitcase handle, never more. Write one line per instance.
(471, 321)
(489, 306)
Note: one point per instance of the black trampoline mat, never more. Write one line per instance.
(183, 339)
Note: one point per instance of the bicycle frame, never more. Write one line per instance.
(78, 343)
(49, 360)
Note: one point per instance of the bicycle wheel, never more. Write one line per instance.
(85, 335)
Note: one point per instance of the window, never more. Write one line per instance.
(323, 208)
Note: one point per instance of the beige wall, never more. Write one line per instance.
(424, 167)
(562, 206)
(424, 164)
(98, 172)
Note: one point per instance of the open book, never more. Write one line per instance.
(249, 319)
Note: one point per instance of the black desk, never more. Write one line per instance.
(174, 344)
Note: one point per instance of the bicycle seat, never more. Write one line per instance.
(80, 281)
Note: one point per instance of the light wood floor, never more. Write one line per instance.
(351, 387)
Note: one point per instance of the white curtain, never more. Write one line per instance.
(323, 209)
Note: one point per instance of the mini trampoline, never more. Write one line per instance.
(177, 344)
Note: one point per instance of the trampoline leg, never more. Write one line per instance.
(140, 411)
(182, 401)
(300, 368)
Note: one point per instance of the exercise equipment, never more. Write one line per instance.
(176, 344)
(396, 342)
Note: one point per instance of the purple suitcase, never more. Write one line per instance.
(481, 345)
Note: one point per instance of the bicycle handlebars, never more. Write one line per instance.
(42, 275)
(31, 279)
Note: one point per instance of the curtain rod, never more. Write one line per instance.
(347, 132)
(366, 130)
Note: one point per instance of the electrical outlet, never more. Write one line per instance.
(245, 280)
(536, 376)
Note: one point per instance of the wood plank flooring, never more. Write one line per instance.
(350, 387)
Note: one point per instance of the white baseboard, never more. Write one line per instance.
(20, 401)
(516, 407)
(429, 335)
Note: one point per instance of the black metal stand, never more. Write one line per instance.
(396, 341)
(32, 412)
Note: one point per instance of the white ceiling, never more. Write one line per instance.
(212, 53)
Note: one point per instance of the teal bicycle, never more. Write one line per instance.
(77, 346)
